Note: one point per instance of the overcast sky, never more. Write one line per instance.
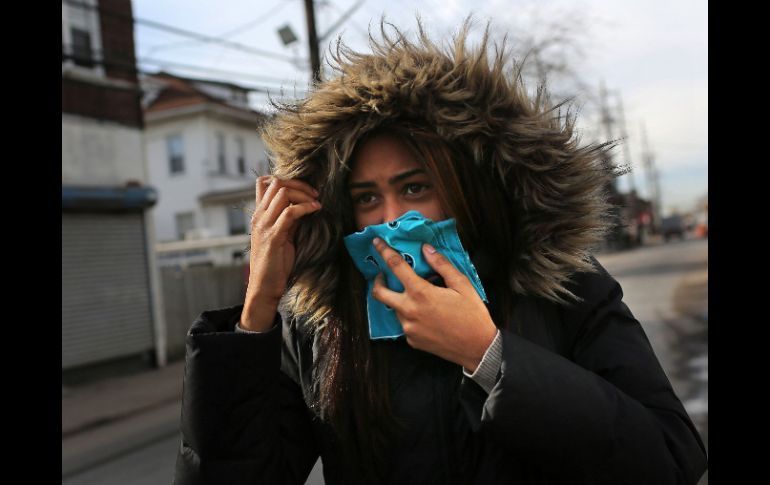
(652, 53)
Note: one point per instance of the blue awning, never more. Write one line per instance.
(108, 198)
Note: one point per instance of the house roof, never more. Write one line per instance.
(179, 91)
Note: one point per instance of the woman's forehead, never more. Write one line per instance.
(380, 157)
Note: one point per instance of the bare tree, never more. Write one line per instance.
(552, 43)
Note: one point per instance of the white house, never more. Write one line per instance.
(204, 154)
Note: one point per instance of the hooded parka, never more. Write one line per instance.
(579, 398)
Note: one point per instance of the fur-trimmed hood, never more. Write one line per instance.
(472, 98)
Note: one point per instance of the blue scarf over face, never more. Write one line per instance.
(405, 235)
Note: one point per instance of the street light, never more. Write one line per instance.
(290, 39)
(287, 35)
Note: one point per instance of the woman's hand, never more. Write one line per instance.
(452, 323)
(279, 206)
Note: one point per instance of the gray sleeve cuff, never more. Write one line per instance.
(238, 329)
(485, 374)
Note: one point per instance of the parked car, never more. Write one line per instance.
(672, 226)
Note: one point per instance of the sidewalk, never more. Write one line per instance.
(690, 300)
(113, 416)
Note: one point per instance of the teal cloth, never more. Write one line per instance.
(405, 235)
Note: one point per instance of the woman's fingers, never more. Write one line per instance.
(453, 278)
(264, 182)
(268, 196)
(283, 199)
(399, 266)
(277, 196)
(290, 215)
(385, 295)
(295, 191)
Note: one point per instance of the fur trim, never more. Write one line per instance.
(469, 98)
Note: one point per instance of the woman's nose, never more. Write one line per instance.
(392, 210)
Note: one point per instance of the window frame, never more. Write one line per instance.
(236, 213)
(179, 233)
(90, 25)
(241, 160)
(170, 156)
(221, 154)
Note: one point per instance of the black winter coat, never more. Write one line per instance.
(580, 399)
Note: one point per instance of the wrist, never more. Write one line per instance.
(480, 349)
(258, 315)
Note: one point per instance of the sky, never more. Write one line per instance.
(651, 55)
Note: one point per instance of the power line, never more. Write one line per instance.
(258, 20)
(161, 63)
(129, 67)
(345, 16)
(183, 32)
(231, 32)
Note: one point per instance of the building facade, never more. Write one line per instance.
(111, 305)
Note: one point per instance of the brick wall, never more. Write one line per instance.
(117, 29)
(101, 102)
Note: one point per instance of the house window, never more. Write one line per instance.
(81, 48)
(221, 160)
(185, 222)
(236, 220)
(241, 157)
(175, 149)
(81, 36)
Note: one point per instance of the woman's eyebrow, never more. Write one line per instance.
(391, 181)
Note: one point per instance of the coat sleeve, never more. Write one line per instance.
(606, 415)
(244, 421)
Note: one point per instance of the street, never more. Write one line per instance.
(665, 286)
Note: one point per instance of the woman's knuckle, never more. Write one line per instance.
(419, 294)
(394, 260)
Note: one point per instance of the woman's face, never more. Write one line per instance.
(386, 181)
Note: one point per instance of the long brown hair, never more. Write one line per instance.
(352, 371)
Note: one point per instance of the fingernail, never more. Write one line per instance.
(430, 249)
(377, 241)
(316, 203)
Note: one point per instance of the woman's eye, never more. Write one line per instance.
(364, 199)
(414, 189)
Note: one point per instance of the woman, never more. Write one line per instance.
(552, 381)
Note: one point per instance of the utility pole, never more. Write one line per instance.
(617, 237)
(607, 121)
(626, 148)
(653, 181)
(314, 40)
(315, 58)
